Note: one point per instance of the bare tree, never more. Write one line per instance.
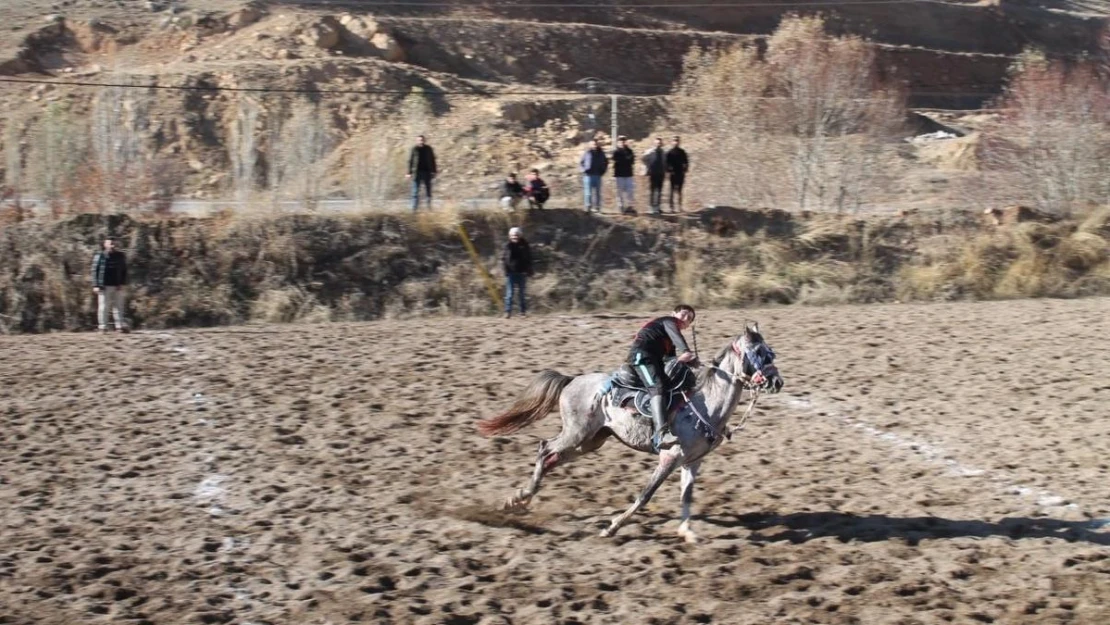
(1054, 148)
(58, 147)
(243, 148)
(13, 156)
(298, 148)
(376, 170)
(803, 125)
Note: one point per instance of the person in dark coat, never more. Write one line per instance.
(109, 278)
(678, 163)
(422, 169)
(536, 190)
(656, 163)
(624, 165)
(593, 164)
(511, 193)
(517, 261)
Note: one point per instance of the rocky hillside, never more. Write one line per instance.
(490, 56)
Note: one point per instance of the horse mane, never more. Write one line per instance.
(706, 372)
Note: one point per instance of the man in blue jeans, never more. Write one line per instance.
(422, 168)
(593, 164)
(517, 261)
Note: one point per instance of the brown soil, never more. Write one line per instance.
(926, 464)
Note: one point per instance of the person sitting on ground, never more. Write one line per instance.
(536, 190)
(511, 193)
(657, 340)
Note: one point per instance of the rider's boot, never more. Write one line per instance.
(659, 420)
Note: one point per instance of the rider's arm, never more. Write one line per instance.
(680, 349)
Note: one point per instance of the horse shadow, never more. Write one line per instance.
(801, 527)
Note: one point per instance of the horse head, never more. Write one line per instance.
(757, 360)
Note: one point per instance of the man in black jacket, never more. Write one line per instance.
(511, 193)
(422, 169)
(656, 162)
(593, 164)
(677, 166)
(624, 163)
(657, 340)
(536, 190)
(109, 278)
(517, 261)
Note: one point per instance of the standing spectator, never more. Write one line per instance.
(422, 169)
(109, 278)
(594, 164)
(517, 260)
(656, 162)
(677, 166)
(511, 193)
(536, 190)
(624, 163)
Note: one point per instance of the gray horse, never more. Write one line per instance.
(589, 418)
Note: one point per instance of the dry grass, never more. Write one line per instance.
(306, 268)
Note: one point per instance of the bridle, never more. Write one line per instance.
(750, 382)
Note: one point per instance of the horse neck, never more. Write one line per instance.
(721, 392)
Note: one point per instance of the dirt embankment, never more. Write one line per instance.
(217, 271)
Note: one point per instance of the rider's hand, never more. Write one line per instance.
(687, 357)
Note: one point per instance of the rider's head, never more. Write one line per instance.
(685, 315)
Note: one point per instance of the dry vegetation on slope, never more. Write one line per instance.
(227, 270)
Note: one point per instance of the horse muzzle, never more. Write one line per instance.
(769, 380)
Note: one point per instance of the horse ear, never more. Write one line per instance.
(755, 327)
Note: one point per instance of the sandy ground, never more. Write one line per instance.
(925, 464)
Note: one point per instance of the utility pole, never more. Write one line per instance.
(613, 106)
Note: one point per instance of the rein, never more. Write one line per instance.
(752, 390)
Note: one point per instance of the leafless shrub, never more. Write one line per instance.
(803, 125)
(376, 170)
(243, 148)
(1053, 148)
(298, 147)
(14, 178)
(58, 148)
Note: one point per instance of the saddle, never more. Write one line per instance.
(625, 386)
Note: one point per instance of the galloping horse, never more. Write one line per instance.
(589, 418)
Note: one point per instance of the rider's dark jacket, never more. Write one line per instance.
(660, 338)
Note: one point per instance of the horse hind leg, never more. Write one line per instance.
(550, 455)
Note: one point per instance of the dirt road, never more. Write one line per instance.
(925, 464)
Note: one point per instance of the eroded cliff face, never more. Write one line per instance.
(947, 55)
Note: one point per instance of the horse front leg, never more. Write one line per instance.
(668, 460)
(689, 476)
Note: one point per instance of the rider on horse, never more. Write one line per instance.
(658, 339)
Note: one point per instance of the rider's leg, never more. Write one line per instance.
(658, 419)
(653, 376)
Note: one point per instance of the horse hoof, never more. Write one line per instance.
(606, 533)
(687, 534)
(519, 500)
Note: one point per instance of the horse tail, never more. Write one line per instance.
(540, 398)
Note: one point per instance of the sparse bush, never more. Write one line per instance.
(805, 125)
(1053, 149)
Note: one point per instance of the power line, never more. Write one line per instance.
(453, 93)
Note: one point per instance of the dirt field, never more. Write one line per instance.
(925, 464)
